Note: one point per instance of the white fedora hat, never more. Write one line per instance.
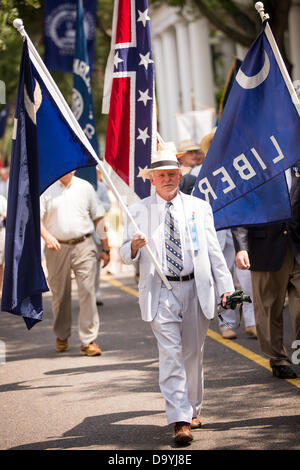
(162, 159)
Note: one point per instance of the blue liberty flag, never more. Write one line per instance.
(257, 139)
(45, 147)
(82, 98)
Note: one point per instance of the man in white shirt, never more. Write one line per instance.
(70, 210)
(180, 231)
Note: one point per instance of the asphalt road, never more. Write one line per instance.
(52, 401)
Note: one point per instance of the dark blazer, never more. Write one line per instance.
(267, 244)
(187, 183)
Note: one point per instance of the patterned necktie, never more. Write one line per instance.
(172, 243)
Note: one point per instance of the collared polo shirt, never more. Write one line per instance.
(69, 211)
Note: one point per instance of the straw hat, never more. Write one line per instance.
(163, 159)
(206, 141)
(186, 146)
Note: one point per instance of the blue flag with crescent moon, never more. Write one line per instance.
(24, 280)
(257, 139)
(45, 147)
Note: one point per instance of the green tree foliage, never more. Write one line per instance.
(238, 20)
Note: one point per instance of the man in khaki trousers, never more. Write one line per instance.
(70, 210)
(272, 253)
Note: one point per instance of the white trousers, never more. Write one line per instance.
(244, 278)
(180, 328)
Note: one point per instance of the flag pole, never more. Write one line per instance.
(72, 121)
(264, 16)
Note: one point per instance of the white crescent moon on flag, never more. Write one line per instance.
(32, 108)
(37, 96)
(252, 82)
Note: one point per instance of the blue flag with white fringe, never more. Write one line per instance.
(45, 147)
(82, 98)
(257, 139)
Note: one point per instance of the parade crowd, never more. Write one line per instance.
(83, 231)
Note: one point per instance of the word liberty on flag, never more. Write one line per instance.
(82, 98)
(46, 145)
(257, 139)
(129, 95)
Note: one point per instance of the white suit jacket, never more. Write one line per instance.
(211, 273)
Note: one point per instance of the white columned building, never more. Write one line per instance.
(161, 96)
(183, 67)
(184, 73)
(229, 53)
(294, 36)
(201, 64)
(171, 79)
(186, 87)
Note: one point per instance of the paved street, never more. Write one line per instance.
(66, 401)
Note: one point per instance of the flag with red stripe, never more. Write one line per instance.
(129, 95)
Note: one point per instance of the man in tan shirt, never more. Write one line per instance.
(70, 210)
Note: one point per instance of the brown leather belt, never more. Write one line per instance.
(74, 241)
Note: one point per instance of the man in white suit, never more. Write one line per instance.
(195, 266)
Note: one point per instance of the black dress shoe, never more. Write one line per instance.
(283, 372)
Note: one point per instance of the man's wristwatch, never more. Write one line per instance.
(106, 251)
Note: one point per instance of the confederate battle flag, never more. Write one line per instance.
(129, 95)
